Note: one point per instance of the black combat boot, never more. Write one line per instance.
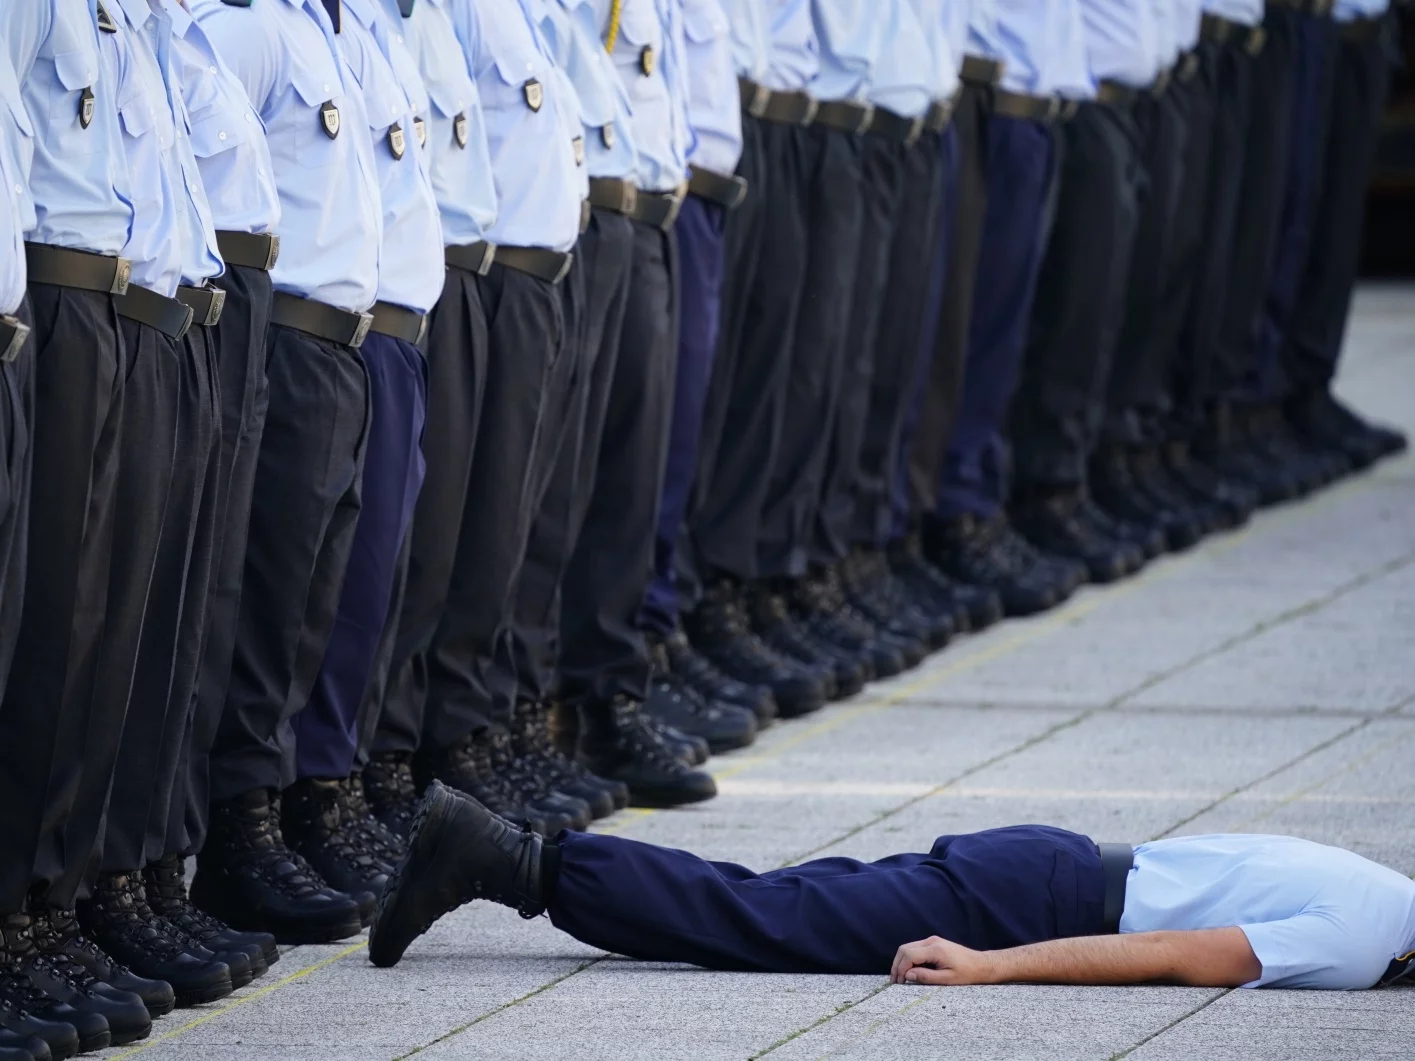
(982, 552)
(58, 935)
(458, 852)
(1232, 501)
(17, 1047)
(718, 629)
(249, 879)
(678, 705)
(65, 980)
(27, 1011)
(311, 820)
(1056, 523)
(974, 608)
(716, 687)
(818, 603)
(618, 741)
(1323, 423)
(119, 920)
(872, 588)
(165, 884)
(391, 793)
(356, 813)
(773, 622)
(532, 741)
(533, 788)
(466, 766)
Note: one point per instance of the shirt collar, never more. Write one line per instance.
(361, 10)
(138, 11)
(181, 18)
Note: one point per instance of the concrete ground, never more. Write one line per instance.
(1264, 682)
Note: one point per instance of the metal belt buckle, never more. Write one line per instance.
(1322, 7)
(564, 269)
(274, 253)
(675, 203)
(122, 276)
(1054, 108)
(19, 333)
(422, 330)
(1161, 82)
(361, 332)
(812, 105)
(214, 307)
(488, 256)
(761, 97)
(867, 118)
(1257, 38)
(916, 130)
(628, 198)
(1188, 66)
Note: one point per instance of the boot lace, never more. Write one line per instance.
(117, 909)
(389, 786)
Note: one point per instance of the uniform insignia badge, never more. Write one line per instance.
(535, 94)
(579, 145)
(648, 59)
(397, 142)
(105, 20)
(460, 129)
(607, 134)
(420, 131)
(86, 105)
(329, 118)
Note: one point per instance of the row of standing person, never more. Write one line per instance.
(537, 396)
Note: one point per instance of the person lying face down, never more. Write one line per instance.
(1028, 903)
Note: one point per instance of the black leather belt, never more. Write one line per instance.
(1222, 30)
(979, 71)
(1360, 29)
(727, 191)
(246, 248)
(787, 108)
(1116, 862)
(61, 267)
(613, 194)
(400, 323)
(940, 113)
(320, 319)
(1033, 108)
(206, 303)
(13, 335)
(895, 127)
(1114, 94)
(144, 305)
(844, 116)
(550, 266)
(471, 257)
(659, 209)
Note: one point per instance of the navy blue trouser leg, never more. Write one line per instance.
(326, 731)
(1022, 166)
(988, 890)
(701, 229)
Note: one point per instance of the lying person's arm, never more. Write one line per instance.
(1216, 957)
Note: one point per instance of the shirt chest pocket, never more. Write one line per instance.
(74, 106)
(703, 21)
(218, 131)
(318, 116)
(453, 100)
(638, 50)
(386, 104)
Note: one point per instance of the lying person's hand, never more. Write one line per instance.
(935, 961)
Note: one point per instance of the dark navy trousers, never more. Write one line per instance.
(701, 230)
(989, 890)
(326, 731)
(1022, 167)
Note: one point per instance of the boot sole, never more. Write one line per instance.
(161, 1009)
(97, 1041)
(202, 996)
(665, 800)
(124, 1038)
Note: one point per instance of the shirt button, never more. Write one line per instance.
(19, 189)
(214, 70)
(326, 88)
(248, 117)
(221, 136)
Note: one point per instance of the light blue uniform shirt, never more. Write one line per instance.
(571, 29)
(173, 239)
(1122, 42)
(938, 24)
(905, 70)
(1315, 916)
(1348, 10)
(714, 108)
(984, 36)
(1247, 12)
(78, 176)
(533, 162)
(411, 270)
(16, 208)
(1044, 48)
(1187, 15)
(459, 161)
(657, 87)
(227, 137)
(794, 55)
(751, 37)
(850, 35)
(331, 226)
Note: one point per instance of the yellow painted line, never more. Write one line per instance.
(148, 1044)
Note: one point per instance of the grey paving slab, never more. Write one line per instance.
(1262, 682)
(1006, 1023)
(1292, 1026)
